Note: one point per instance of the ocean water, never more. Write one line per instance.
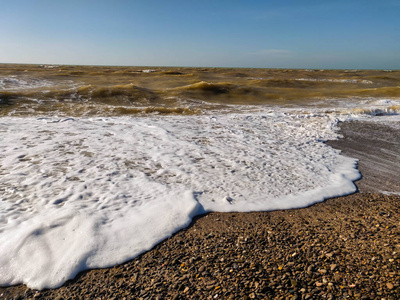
(99, 164)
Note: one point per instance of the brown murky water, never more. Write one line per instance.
(112, 91)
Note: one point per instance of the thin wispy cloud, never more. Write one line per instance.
(271, 52)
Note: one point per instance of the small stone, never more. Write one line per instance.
(319, 284)
(186, 290)
(389, 286)
(175, 297)
(333, 267)
(293, 282)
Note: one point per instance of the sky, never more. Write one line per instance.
(337, 34)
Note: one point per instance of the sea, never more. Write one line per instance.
(98, 164)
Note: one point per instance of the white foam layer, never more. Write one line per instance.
(355, 108)
(23, 82)
(363, 81)
(89, 193)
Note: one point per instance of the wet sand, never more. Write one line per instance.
(377, 146)
(347, 247)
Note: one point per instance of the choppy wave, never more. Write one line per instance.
(221, 88)
(375, 111)
(63, 90)
(215, 88)
(379, 92)
(116, 94)
(23, 82)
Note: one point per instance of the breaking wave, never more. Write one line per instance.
(386, 111)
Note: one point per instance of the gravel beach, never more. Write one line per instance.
(343, 248)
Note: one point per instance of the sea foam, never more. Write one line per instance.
(23, 82)
(89, 193)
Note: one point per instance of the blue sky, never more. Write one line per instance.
(363, 34)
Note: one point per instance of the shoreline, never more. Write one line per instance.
(343, 247)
